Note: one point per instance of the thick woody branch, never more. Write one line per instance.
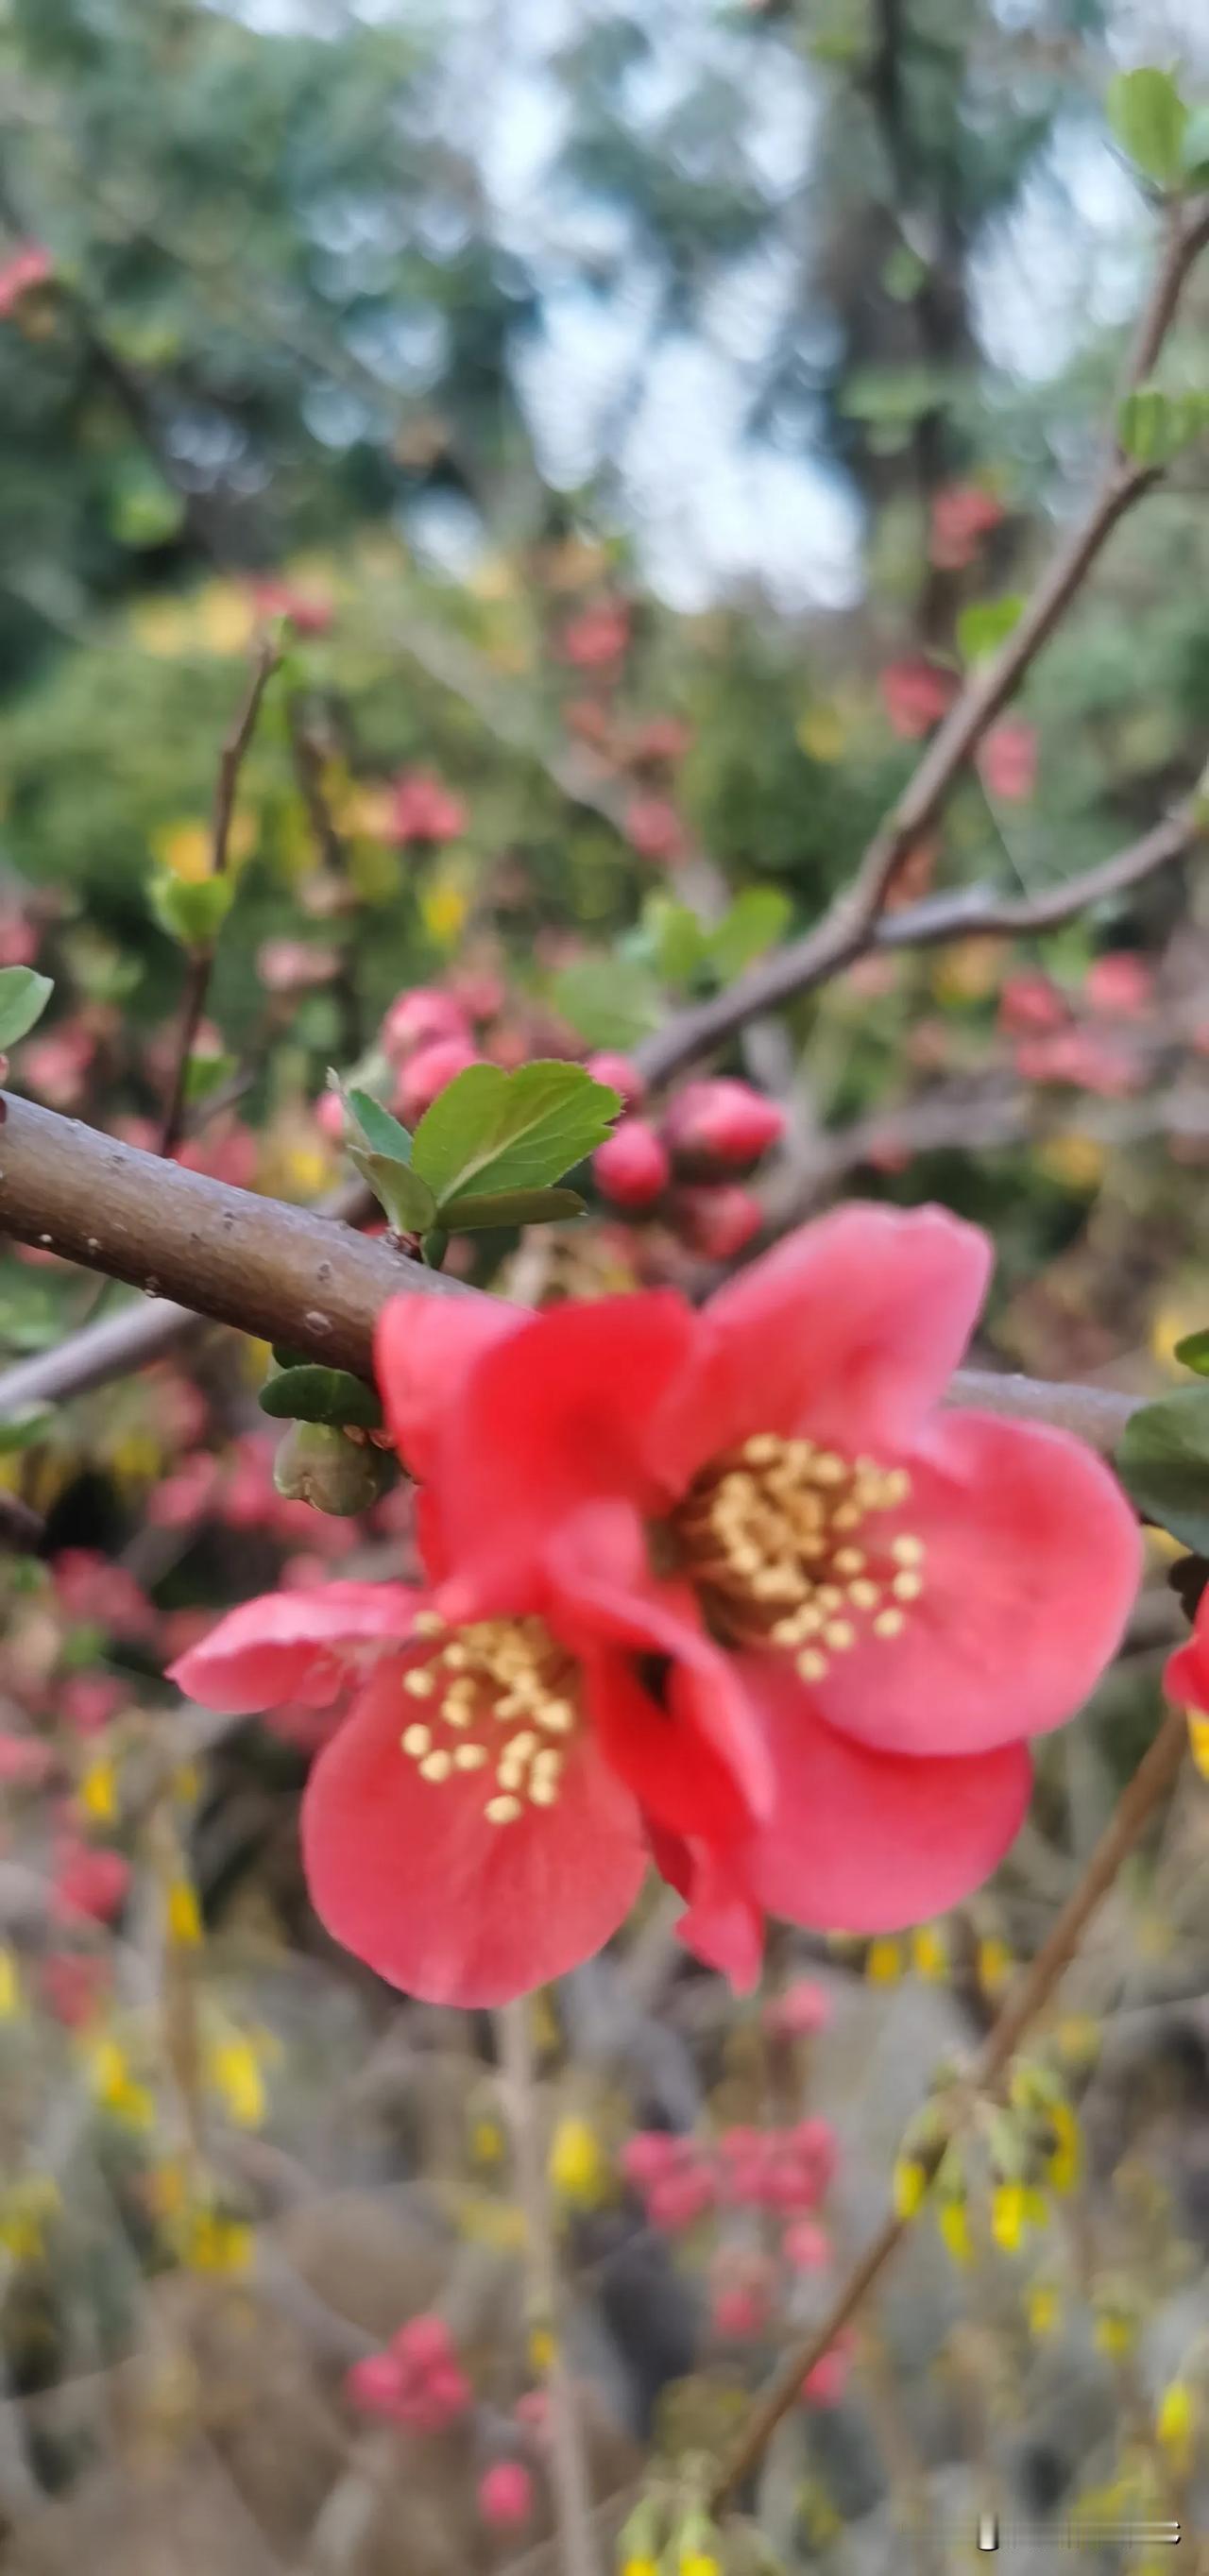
(281, 1272)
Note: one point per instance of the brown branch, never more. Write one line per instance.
(1155, 1773)
(201, 959)
(568, 2464)
(289, 1274)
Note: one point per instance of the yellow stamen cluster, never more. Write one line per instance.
(494, 1674)
(791, 1546)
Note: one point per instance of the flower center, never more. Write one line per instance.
(793, 1546)
(495, 1675)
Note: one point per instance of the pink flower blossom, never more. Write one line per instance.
(89, 1880)
(1029, 1002)
(631, 1168)
(916, 695)
(1121, 985)
(805, 2246)
(799, 2012)
(653, 827)
(720, 1220)
(962, 515)
(421, 1017)
(621, 1073)
(422, 809)
(597, 639)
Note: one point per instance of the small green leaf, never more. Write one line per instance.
(516, 1207)
(382, 1133)
(491, 1130)
(316, 1464)
(23, 998)
(408, 1201)
(757, 919)
(1196, 149)
(679, 943)
(316, 1394)
(434, 1248)
(1149, 119)
(193, 914)
(1193, 1352)
(207, 1073)
(1163, 1462)
(608, 1004)
(23, 1430)
(984, 627)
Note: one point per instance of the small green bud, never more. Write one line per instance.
(320, 1465)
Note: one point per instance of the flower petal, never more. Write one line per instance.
(556, 1416)
(423, 1348)
(1186, 1677)
(864, 1841)
(410, 1875)
(301, 1646)
(849, 1330)
(1032, 1563)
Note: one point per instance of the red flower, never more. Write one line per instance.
(892, 1596)
(1186, 1679)
(631, 1167)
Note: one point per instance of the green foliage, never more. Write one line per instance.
(1163, 1461)
(191, 911)
(1149, 119)
(510, 1131)
(982, 628)
(308, 1393)
(23, 998)
(1193, 1352)
(1154, 427)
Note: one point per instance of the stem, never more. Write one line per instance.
(568, 2464)
(201, 960)
(1155, 1773)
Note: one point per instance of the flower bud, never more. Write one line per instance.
(722, 1122)
(319, 1465)
(718, 1222)
(631, 1167)
(427, 1073)
(622, 1075)
(419, 1018)
(506, 2495)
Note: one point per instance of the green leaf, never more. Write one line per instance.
(382, 1133)
(513, 1131)
(757, 919)
(1193, 1352)
(1149, 119)
(608, 1004)
(516, 1207)
(207, 1073)
(1163, 1463)
(984, 627)
(191, 913)
(22, 1430)
(408, 1201)
(316, 1394)
(1153, 426)
(679, 943)
(23, 998)
(1196, 149)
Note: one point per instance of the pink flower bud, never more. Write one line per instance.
(621, 1074)
(739, 2314)
(427, 1075)
(650, 2154)
(425, 2342)
(415, 1019)
(676, 2200)
(506, 2495)
(444, 2397)
(1007, 762)
(962, 515)
(722, 1122)
(329, 1116)
(653, 827)
(916, 696)
(24, 1761)
(90, 1881)
(422, 809)
(480, 994)
(1028, 1002)
(597, 638)
(800, 2011)
(805, 2246)
(825, 2384)
(1120, 984)
(717, 1222)
(631, 1167)
(374, 2385)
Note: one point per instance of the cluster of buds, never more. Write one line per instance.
(784, 2170)
(416, 2382)
(710, 1132)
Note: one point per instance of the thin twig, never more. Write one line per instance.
(1155, 1773)
(201, 959)
(568, 2463)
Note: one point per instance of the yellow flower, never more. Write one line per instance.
(995, 1963)
(183, 1914)
(699, 2563)
(211, 2242)
(10, 1987)
(443, 910)
(910, 2186)
(117, 2090)
(98, 1791)
(1066, 2157)
(1198, 1740)
(1043, 2308)
(1009, 2216)
(953, 2220)
(1114, 2333)
(577, 2168)
(1076, 1161)
(233, 2069)
(1175, 2420)
(930, 1953)
(883, 1962)
(640, 2567)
